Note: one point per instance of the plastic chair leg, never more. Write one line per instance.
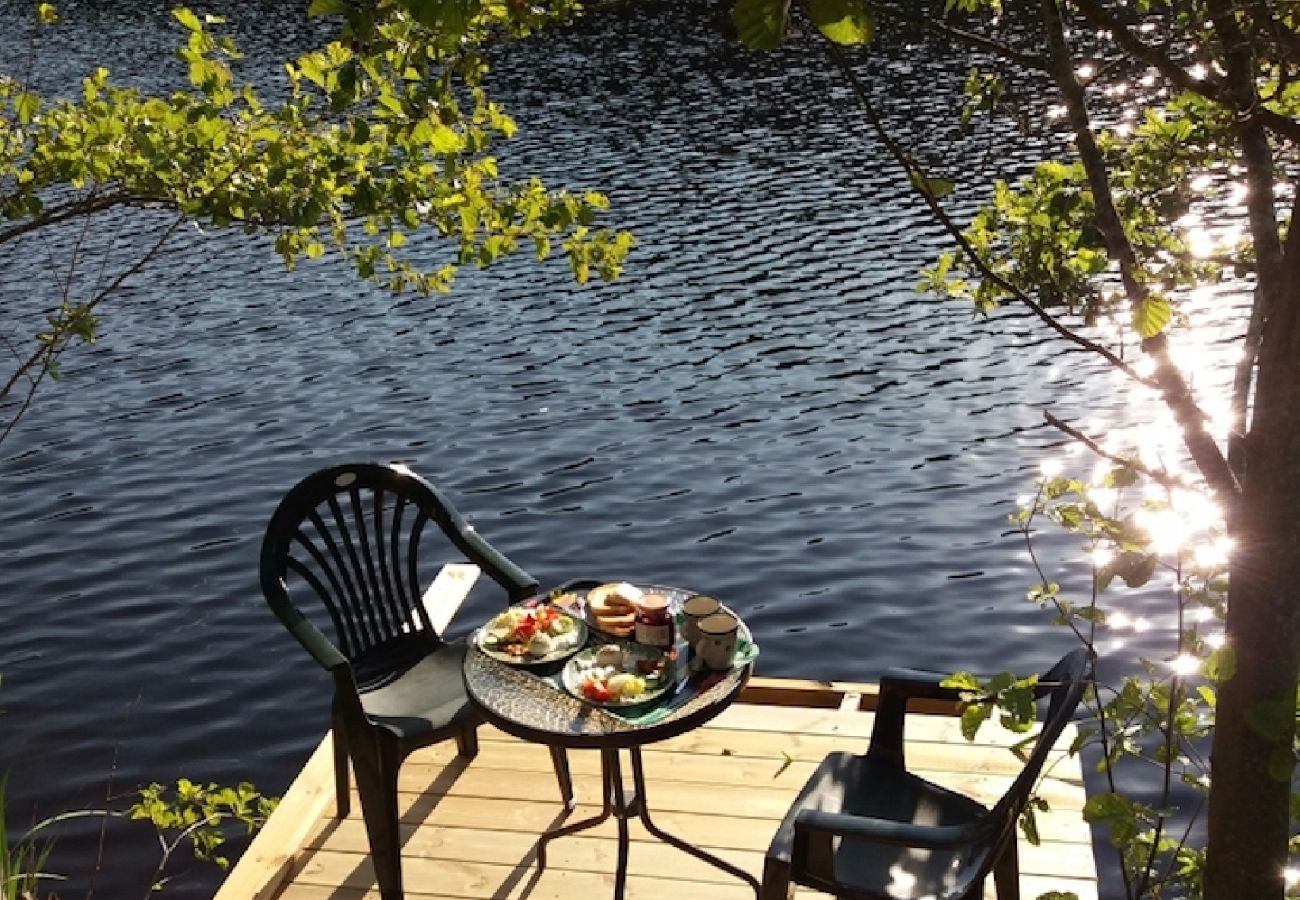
(342, 793)
(776, 881)
(1006, 872)
(376, 769)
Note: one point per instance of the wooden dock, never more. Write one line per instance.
(470, 828)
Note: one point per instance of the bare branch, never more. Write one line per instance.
(1162, 477)
(941, 215)
(1173, 387)
(962, 36)
(1210, 87)
(71, 210)
(59, 340)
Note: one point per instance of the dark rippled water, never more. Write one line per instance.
(762, 407)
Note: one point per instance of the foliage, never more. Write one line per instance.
(384, 134)
(184, 814)
(1160, 113)
(22, 863)
(196, 814)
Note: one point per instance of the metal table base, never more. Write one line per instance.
(621, 807)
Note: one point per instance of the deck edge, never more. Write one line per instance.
(268, 862)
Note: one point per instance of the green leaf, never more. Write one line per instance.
(1151, 316)
(27, 105)
(962, 681)
(934, 187)
(327, 8)
(972, 717)
(1221, 664)
(187, 18)
(47, 14)
(761, 23)
(445, 140)
(845, 22)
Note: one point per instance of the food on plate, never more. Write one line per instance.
(612, 607)
(616, 676)
(531, 633)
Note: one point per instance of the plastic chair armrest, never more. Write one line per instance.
(517, 583)
(319, 646)
(824, 825)
(897, 686)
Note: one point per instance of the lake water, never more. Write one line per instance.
(761, 408)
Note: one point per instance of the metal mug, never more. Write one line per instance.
(694, 610)
(717, 643)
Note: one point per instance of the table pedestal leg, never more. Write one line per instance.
(638, 783)
(607, 773)
(614, 802)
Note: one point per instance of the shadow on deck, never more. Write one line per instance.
(469, 829)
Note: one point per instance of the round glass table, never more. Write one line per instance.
(533, 707)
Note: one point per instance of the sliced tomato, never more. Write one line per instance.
(526, 628)
(595, 689)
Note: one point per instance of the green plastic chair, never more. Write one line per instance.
(865, 828)
(348, 539)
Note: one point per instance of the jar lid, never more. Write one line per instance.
(701, 605)
(652, 602)
(719, 623)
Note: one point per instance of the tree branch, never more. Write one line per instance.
(1209, 87)
(1162, 477)
(1204, 450)
(71, 210)
(918, 179)
(962, 36)
(59, 338)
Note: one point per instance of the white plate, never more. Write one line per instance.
(578, 637)
(576, 669)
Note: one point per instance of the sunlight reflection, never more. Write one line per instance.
(1101, 556)
(1050, 467)
(1198, 71)
(1184, 664)
(1200, 242)
(1104, 496)
(1215, 641)
(1119, 620)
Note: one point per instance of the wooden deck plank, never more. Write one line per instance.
(476, 823)
(270, 857)
(745, 847)
(469, 828)
(756, 761)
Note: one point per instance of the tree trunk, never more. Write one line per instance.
(1252, 756)
(1249, 813)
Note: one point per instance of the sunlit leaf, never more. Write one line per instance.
(845, 22)
(27, 105)
(1151, 316)
(187, 18)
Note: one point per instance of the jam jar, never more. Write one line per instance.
(654, 621)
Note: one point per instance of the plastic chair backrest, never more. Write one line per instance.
(352, 534)
(1064, 683)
